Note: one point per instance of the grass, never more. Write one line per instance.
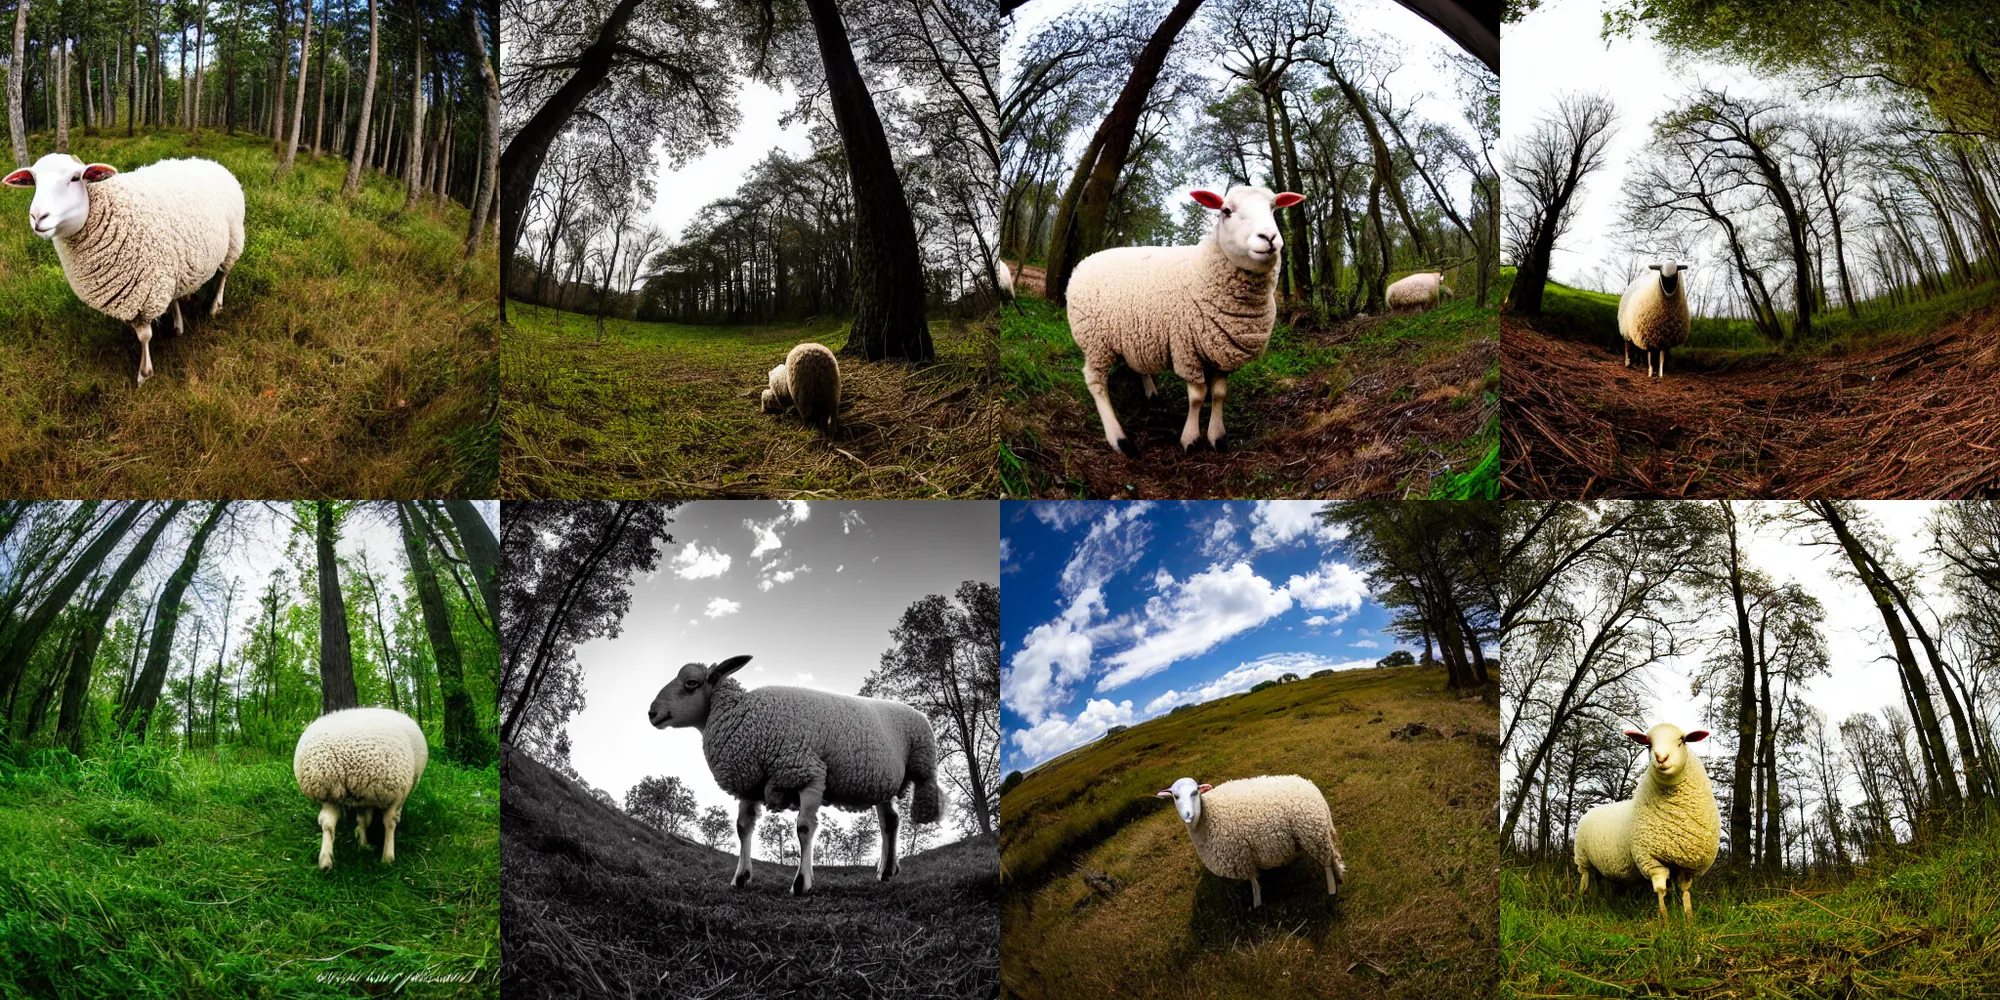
(1103, 895)
(151, 875)
(352, 355)
(660, 408)
(1922, 923)
(598, 904)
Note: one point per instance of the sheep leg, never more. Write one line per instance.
(1686, 880)
(1151, 389)
(1114, 435)
(1332, 882)
(1217, 389)
(329, 821)
(1663, 362)
(746, 824)
(886, 813)
(144, 328)
(1659, 874)
(216, 306)
(1583, 883)
(389, 818)
(809, 797)
(362, 816)
(1191, 432)
(1628, 354)
(1256, 893)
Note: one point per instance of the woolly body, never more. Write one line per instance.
(1671, 826)
(1417, 292)
(779, 395)
(770, 742)
(1651, 319)
(813, 376)
(363, 759)
(154, 235)
(1244, 826)
(1006, 278)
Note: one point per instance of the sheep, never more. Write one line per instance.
(1005, 277)
(779, 395)
(1653, 314)
(813, 377)
(1241, 826)
(1669, 827)
(363, 758)
(133, 244)
(1417, 292)
(797, 748)
(1203, 311)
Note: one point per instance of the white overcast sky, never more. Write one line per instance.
(718, 172)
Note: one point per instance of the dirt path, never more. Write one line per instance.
(1919, 419)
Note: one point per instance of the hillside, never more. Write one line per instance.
(596, 903)
(352, 356)
(1103, 894)
(146, 875)
(648, 409)
(1919, 923)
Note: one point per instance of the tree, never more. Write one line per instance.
(336, 658)
(76, 686)
(945, 663)
(29, 631)
(145, 694)
(1548, 167)
(299, 105)
(663, 803)
(463, 740)
(1399, 658)
(775, 836)
(715, 827)
(358, 155)
(15, 69)
(489, 149)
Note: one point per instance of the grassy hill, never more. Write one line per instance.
(352, 355)
(1394, 405)
(649, 409)
(1103, 895)
(599, 904)
(151, 876)
(1920, 923)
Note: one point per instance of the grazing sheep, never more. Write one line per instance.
(1006, 278)
(1249, 824)
(365, 759)
(1653, 314)
(814, 378)
(1204, 311)
(1670, 827)
(779, 395)
(797, 748)
(133, 244)
(1417, 292)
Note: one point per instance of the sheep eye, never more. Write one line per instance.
(76, 177)
(1225, 213)
(692, 685)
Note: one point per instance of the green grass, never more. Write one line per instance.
(352, 355)
(652, 408)
(1922, 923)
(151, 875)
(1103, 895)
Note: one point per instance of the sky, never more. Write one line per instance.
(810, 590)
(1112, 613)
(718, 172)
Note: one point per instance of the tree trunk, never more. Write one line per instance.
(299, 105)
(17, 128)
(360, 154)
(462, 741)
(319, 113)
(26, 634)
(201, 50)
(145, 694)
(1740, 796)
(280, 44)
(62, 95)
(489, 149)
(336, 660)
(414, 175)
(1968, 752)
(69, 720)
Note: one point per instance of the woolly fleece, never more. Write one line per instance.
(360, 757)
(771, 742)
(779, 395)
(1264, 822)
(1417, 292)
(1677, 826)
(1187, 309)
(1650, 320)
(155, 234)
(814, 377)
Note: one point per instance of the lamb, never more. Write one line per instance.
(1417, 292)
(363, 758)
(1653, 314)
(1670, 827)
(1203, 311)
(812, 378)
(1249, 824)
(779, 395)
(134, 244)
(797, 748)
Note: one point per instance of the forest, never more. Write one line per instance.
(1747, 618)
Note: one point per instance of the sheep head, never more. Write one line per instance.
(1669, 749)
(684, 701)
(1246, 227)
(1670, 279)
(1187, 798)
(62, 192)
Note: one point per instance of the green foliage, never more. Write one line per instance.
(1261, 685)
(1398, 658)
(1008, 783)
(1316, 673)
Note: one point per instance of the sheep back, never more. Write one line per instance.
(1264, 822)
(154, 235)
(1416, 291)
(1187, 309)
(814, 379)
(368, 757)
(1650, 320)
(772, 741)
(1604, 841)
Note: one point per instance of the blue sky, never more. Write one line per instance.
(1115, 612)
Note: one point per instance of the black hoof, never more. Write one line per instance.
(1220, 444)
(798, 885)
(742, 879)
(1127, 448)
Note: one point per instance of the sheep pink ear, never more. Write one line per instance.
(1287, 200)
(1204, 788)
(1165, 793)
(1208, 199)
(98, 171)
(1697, 736)
(22, 178)
(1638, 737)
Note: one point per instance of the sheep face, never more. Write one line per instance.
(1669, 749)
(1246, 227)
(1187, 798)
(62, 192)
(1670, 278)
(684, 702)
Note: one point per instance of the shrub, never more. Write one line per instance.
(1008, 783)
(1399, 658)
(1262, 685)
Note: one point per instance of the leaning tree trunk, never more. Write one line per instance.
(482, 550)
(336, 659)
(1746, 706)
(69, 720)
(145, 694)
(15, 126)
(359, 155)
(462, 742)
(21, 644)
(489, 150)
(299, 105)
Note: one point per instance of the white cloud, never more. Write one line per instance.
(840, 568)
(719, 606)
(1115, 543)
(772, 575)
(1193, 617)
(1007, 563)
(1282, 522)
(696, 563)
(1063, 515)
(1365, 644)
(1056, 734)
(849, 520)
(1162, 579)
(1054, 657)
(1219, 543)
(1319, 621)
(766, 532)
(797, 510)
(1245, 676)
(1332, 585)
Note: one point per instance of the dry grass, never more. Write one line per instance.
(352, 356)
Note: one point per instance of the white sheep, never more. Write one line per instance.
(1653, 314)
(363, 758)
(1005, 275)
(1204, 311)
(133, 244)
(797, 748)
(779, 395)
(1417, 292)
(1241, 826)
(813, 376)
(1670, 827)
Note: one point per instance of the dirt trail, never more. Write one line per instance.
(1919, 419)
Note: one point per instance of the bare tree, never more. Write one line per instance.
(1548, 167)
